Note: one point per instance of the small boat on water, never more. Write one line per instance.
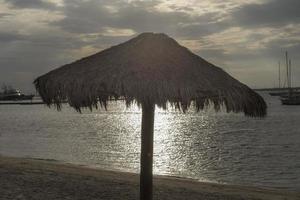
(293, 97)
(11, 94)
(292, 100)
(277, 93)
(287, 94)
(283, 93)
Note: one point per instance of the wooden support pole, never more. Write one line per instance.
(146, 176)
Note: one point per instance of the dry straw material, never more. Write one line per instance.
(150, 68)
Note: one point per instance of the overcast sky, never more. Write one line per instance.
(246, 38)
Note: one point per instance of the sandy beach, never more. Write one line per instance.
(24, 178)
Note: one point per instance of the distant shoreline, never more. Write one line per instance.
(22, 103)
(274, 89)
(25, 178)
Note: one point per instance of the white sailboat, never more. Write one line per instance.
(293, 97)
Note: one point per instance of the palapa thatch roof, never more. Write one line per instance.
(151, 68)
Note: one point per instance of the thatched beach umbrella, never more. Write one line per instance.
(150, 69)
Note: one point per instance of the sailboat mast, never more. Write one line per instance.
(290, 72)
(287, 69)
(279, 75)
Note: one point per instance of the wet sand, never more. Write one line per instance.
(34, 179)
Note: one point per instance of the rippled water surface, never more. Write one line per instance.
(209, 146)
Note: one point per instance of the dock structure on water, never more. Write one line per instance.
(20, 103)
(276, 89)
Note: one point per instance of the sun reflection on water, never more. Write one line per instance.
(183, 144)
(174, 133)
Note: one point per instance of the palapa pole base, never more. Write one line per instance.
(146, 176)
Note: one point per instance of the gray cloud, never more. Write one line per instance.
(6, 37)
(273, 13)
(3, 15)
(216, 55)
(92, 16)
(41, 41)
(202, 29)
(276, 48)
(35, 4)
(27, 54)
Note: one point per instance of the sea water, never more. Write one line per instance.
(207, 146)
